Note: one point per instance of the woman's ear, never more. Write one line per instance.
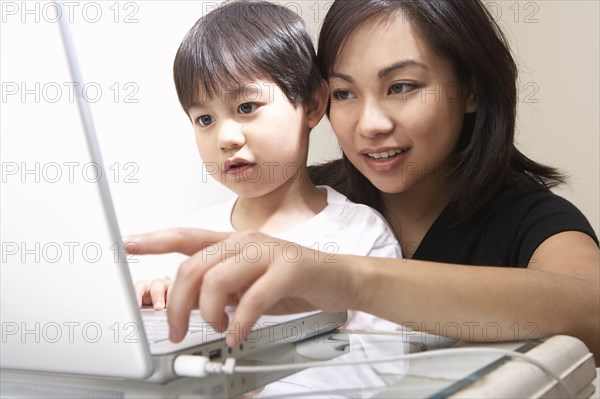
(471, 99)
(318, 105)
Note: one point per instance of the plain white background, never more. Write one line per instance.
(126, 51)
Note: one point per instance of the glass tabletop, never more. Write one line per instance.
(426, 377)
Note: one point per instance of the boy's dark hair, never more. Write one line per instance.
(243, 41)
(465, 33)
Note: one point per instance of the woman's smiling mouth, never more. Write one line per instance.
(383, 160)
(385, 154)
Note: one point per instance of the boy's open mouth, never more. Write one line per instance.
(238, 166)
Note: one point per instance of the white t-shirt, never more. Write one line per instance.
(343, 227)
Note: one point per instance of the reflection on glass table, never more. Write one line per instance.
(455, 374)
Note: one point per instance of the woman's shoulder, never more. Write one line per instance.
(505, 231)
(527, 198)
(540, 209)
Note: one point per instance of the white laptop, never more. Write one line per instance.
(67, 299)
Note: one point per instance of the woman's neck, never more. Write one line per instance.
(287, 206)
(412, 213)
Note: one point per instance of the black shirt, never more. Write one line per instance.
(505, 232)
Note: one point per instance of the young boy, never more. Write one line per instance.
(246, 76)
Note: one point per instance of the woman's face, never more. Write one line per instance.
(397, 107)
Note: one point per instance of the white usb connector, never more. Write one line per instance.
(201, 366)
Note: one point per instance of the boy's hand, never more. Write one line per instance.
(153, 292)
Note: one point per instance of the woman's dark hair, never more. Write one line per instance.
(463, 32)
(242, 41)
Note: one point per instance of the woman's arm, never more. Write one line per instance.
(557, 294)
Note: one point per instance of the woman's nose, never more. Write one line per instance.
(373, 120)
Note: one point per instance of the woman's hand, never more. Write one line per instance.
(254, 272)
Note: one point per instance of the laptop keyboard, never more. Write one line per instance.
(157, 328)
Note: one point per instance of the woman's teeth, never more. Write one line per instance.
(385, 155)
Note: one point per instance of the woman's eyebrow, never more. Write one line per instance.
(340, 75)
(400, 65)
(384, 72)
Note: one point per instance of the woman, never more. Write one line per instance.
(423, 100)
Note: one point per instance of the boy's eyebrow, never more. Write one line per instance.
(228, 93)
(385, 71)
(197, 105)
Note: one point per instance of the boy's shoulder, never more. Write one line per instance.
(339, 204)
(361, 229)
(215, 217)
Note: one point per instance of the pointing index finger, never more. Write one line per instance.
(183, 240)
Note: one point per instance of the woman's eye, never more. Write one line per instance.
(247, 108)
(341, 95)
(400, 88)
(205, 120)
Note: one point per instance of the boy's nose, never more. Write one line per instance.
(230, 136)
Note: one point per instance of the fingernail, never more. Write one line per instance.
(230, 340)
(159, 305)
(233, 339)
(131, 247)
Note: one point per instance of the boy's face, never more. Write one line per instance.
(252, 139)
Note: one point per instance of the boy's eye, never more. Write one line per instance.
(399, 88)
(247, 108)
(341, 95)
(205, 120)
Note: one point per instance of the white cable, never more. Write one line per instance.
(200, 366)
